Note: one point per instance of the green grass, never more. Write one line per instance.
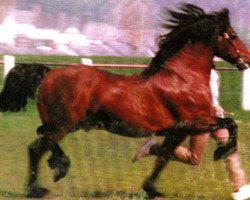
(100, 162)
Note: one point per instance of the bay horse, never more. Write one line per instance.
(170, 98)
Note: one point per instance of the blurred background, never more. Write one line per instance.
(96, 27)
(118, 32)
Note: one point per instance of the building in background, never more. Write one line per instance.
(87, 27)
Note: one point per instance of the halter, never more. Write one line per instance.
(240, 63)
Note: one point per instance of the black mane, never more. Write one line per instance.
(190, 23)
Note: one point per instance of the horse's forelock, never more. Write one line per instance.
(223, 19)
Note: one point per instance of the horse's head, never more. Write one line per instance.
(228, 45)
(191, 25)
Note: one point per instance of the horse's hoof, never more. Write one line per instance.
(151, 191)
(156, 195)
(160, 198)
(37, 192)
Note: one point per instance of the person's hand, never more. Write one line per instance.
(219, 111)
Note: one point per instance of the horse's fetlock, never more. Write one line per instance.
(60, 166)
(36, 192)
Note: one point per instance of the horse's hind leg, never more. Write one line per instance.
(59, 162)
(36, 150)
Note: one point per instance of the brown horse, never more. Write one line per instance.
(171, 98)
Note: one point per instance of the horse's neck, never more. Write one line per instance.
(192, 58)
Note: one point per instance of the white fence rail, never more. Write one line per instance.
(9, 63)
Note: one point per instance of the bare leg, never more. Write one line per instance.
(190, 155)
(144, 150)
(193, 154)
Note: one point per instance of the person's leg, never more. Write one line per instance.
(144, 150)
(191, 155)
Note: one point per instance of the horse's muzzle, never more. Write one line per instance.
(242, 66)
(243, 61)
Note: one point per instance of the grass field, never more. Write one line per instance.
(101, 162)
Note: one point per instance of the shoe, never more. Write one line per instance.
(144, 150)
(242, 194)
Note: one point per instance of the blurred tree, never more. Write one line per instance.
(136, 17)
(6, 6)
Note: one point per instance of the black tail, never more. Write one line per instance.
(20, 84)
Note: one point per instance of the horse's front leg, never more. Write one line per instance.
(224, 150)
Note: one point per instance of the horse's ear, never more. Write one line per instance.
(223, 20)
(223, 15)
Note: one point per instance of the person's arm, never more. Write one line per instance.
(214, 85)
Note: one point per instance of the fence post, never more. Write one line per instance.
(87, 61)
(246, 90)
(9, 63)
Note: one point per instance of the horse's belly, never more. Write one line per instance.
(108, 121)
(124, 129)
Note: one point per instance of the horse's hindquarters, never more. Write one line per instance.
(65, 95)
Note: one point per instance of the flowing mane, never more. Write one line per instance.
(189, 24)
